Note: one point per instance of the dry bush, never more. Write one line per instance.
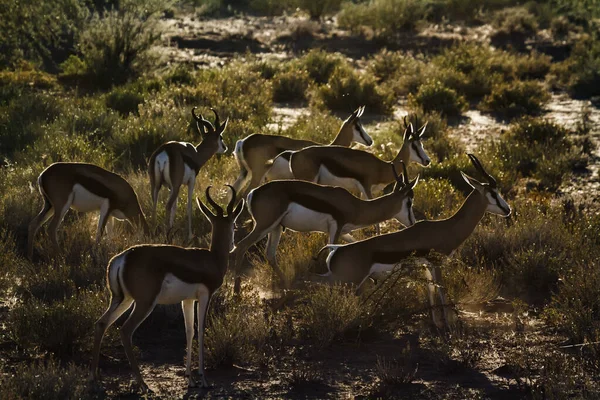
(47, 380)
(385, 17)
(437, 198)
(434, 96)
(516, 98)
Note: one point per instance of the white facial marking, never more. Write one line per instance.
(499, 207)
(360, 135)
(418, 155)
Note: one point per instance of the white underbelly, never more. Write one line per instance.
(325, 177)
(279, 170)
(301, 219)
(174, 290)
(379, 271)
(84, 200)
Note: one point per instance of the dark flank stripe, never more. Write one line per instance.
(317, 205)
(341, 171)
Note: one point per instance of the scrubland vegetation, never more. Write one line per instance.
(92, 87)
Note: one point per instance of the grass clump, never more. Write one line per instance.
(580, 73)
(320, 64)
(437, 198)
(347, 89)
(517, 98)
(317, 9)
(124, 100)
(46, 380)
(434, 96)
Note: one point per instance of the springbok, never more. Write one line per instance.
(83, 187)
(254, 152)
(355, 262)
(353, 169)
(175, 164)
(148, 275)
(308, 207)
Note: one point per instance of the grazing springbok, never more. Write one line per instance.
(178, 163)
(254, 152)
(148, 275)
(308, 207)
(84, 187)
(355, 170)
(355, 262)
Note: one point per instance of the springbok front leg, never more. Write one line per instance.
(187, 307)
(271, 252)
(202, 309)
(190, 185)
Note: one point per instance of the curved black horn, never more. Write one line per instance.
(217, 207)
(232, 201)
(196, 117)
(480, 168)
(217, 120)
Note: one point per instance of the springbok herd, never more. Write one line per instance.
(287, 183)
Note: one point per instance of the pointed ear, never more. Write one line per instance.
(406, 135)
(361, 110)
(414, 182)
(422, 130)
(474, 183)
(238, 209)
(223, 125)
(205, 210)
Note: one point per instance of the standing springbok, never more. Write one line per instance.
(353, 169)
(307, 207)
(254, 152)
(355, 262)
(83, 187)
(175, 164)
(148, 275)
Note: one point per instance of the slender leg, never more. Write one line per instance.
(437, 272)
(172, 206)
(104, 215)
(240, 184)
(138, 315)
(431, 287)
(358, 288)
(155, 191)
(203, 302)
(191, 185)
(272, 244)
(188, 316)
(369, 195)
(115, 310)
(36, 223)
(57, 219)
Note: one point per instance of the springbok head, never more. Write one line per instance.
(403, 188)
(489, 190)
(412, 138)
(210, 132)
(359, 135)
(222, 225)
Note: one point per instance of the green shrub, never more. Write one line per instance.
(330, 313)
(317, 9)
(347, 89)
(533, 66)
(45, 380)
(290, 85)
(516, 20)
(434, 96)
(513, 99)
(124, 100)
(580, 73)
(437, 198)
(116, 45)
(319, 126)
(320, 64)
(62, 328)
(21, 121)
(384, 17)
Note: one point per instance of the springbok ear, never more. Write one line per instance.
(238, 209)
(474, 183)
(361, 110)
(205, 210)
(224, 125)
(406, 135)
(414, 182)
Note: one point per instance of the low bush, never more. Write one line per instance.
(330, 313)
(320, 64)
(124, 100)
(347, 89)
(437, 198)
(237, 329)
(290, 85)
(516, 20)
(47, 380)
(61, 328)
(434, 96)
(317, 9)
(513, 99)
(580, 73)
(384, 17)
(319, 126)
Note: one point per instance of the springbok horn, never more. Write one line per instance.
(232, 201)
(480, 168)
(217, 207)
